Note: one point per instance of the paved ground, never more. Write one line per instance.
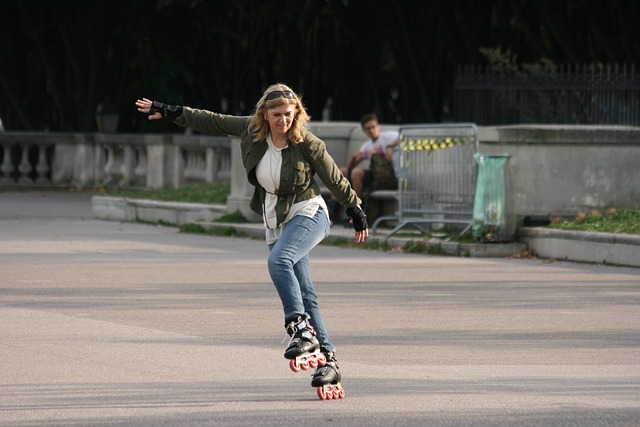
(103, 323)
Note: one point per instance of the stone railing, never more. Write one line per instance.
(555, 169)
(35, 159)
(26, 158)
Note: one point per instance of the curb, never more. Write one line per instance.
(596, 248)
(142, 210)
(174, 213)
(432, 246)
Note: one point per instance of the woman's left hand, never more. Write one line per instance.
(359, 222)
(361, 235)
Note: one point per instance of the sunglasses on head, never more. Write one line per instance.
(280, 93)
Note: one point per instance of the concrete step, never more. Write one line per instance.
(598, 248)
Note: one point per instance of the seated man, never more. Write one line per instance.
(359, 168)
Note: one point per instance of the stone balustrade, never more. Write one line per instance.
(75, 160)
(25, 158)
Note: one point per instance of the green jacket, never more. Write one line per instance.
(300, 162)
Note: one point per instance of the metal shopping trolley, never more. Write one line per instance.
(437, 176)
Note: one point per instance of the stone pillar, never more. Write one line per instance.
(159, 162)
(7, 167)
(82, 158)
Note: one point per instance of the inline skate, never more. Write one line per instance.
(303, 350)
(327, 378)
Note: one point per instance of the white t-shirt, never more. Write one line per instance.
(268, 175)
(377, 147)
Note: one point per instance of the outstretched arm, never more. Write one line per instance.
(157, 110)
(199, 120)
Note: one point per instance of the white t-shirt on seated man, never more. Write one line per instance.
(385, 142)
(358, 167)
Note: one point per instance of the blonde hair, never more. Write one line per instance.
(259, 126)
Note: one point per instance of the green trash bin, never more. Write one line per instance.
(493, 213)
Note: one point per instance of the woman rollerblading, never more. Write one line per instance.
(283, 159)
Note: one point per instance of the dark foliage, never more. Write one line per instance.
(62, 59)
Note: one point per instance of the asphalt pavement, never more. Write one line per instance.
(109, 323)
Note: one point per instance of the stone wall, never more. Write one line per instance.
(562, 170)
(556, 170)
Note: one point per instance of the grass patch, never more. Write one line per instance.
(216, 231)
(374, 245)
(463, 238)
(418, 247)
(236, 218)
(210, 192)
(445, 236)
(620, 221)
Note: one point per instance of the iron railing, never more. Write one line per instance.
(569, 94)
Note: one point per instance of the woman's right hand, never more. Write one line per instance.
(144, 106)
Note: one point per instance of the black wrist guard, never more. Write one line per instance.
(359, 218)
(168, 111)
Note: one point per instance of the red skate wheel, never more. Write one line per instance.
(294, 366)
(313, 363)
(336, 393)
(328, 392)
(304, 365)
(321, 394)
(341, 393)
(322, 359)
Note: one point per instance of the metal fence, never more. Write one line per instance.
(437, 176)
(578, 94)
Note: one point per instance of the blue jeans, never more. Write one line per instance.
(289, 269)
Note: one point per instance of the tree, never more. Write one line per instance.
(63, 58)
